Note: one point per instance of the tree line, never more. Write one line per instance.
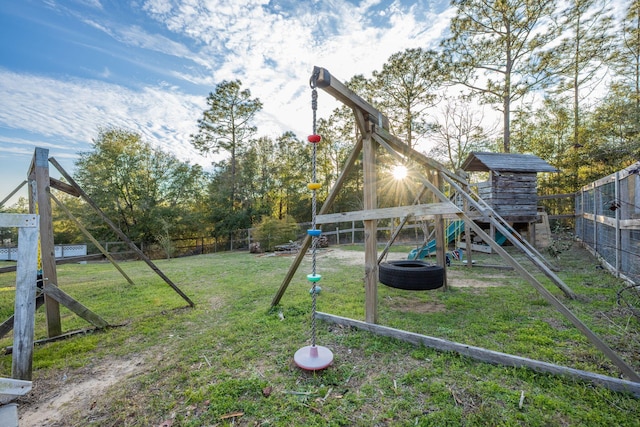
(564, 78)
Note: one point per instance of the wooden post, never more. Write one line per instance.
(441, 247)
(618, 212)
(467, 237)
(370, 227)
(42, 206)
(25, 302)
(353, 232)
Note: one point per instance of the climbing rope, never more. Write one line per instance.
(314, 139)
(314, 357)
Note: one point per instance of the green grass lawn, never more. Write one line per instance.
(229, 360)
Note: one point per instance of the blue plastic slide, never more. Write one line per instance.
(453, 230)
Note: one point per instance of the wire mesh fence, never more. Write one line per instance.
(608, 224)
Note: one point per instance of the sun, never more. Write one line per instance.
(399, 172)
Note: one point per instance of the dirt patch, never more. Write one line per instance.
(456, 278)
(352, 257)
(409, 305)
(53, 399)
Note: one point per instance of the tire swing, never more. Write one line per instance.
(411, 275)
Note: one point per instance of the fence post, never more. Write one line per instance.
(337, 235)
(596, 247)
(618, 212)
(353, 232)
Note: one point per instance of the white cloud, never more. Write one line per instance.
(73, 111)
(271, 50)
(273, 54)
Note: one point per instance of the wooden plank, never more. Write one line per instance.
(563, 216)
(487, 356)
(119, 232)
(25, 303)
(69, 260)
(422, 211)
(40, 194)
(306, 243)
(602, 181)
(627, 224)
(10, 388)
(630, 224)
(63, 186)
(8, 220)
(73, 305)
(12, 193)
(630, 170)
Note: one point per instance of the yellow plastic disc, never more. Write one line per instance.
(314, 185)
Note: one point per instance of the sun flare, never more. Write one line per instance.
(399, 172)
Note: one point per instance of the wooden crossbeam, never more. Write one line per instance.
(64, 187)
(421, 211)
(339, 91)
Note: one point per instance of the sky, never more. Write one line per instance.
(69, 68)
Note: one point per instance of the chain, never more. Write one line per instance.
(314, 239)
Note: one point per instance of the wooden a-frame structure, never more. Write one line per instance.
(49, 293)
(373, 133)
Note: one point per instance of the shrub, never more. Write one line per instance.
(272, 232)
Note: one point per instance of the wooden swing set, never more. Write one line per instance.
(32, 291)
(373, 130)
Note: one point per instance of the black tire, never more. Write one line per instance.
(411, 275)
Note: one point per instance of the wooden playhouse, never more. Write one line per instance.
(511, 188)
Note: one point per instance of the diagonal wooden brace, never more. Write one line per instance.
(63, 298)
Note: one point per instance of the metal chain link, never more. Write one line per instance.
(314, 239)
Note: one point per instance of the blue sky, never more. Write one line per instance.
(69, 67)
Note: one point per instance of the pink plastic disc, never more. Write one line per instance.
(313, 358)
